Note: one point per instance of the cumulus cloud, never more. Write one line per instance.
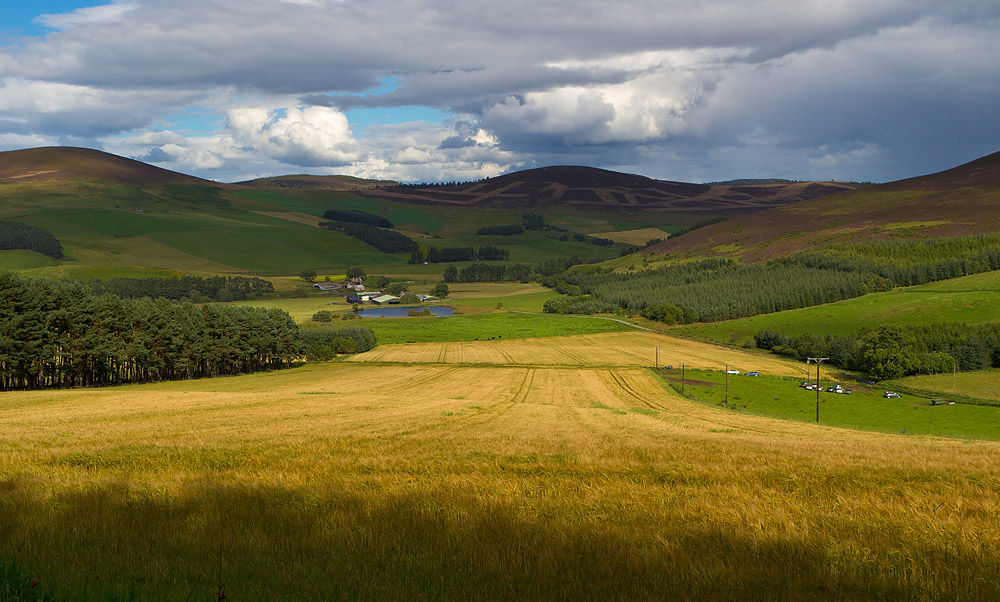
(311, 136)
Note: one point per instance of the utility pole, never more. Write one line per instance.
(657, 358)
(818, 360)
(682, 379)
(727, 386)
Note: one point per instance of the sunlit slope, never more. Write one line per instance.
(491, 482)
(971, 299)
(108, 210)
(960, 201)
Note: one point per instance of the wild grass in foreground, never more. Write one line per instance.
(349, 482)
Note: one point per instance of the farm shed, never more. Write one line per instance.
(386, 300)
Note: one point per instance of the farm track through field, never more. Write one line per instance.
(618, 378)
(506, 355)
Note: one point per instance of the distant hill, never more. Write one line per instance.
(960, 201)
(308, 182)
(84, 164)
(599, 189)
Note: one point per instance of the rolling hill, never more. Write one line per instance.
(311, 182)
(598, 189)
(960, 201)
(116, 212)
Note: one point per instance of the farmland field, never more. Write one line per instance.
(610, 349)
(865, 408)
(980, 384)
(349, 481)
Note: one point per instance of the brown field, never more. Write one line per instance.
(632, 349)
(633, 237)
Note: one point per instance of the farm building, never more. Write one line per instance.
(386, 300)
(330, 286)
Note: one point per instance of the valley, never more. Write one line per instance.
(509, 452)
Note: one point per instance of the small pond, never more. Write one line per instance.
(395, 311)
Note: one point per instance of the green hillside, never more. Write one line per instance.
(971, 299)
(115, 212)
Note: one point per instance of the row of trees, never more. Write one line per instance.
(894, 351)
(500, 230)
(324, 343)
(358, 217)
(15, 235)
(386, 241)
(489, 272)
(454, 254)
(721, 289)
(58, 334)
(196, 288)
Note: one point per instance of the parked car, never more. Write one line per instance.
(805, 385)
(753, 373)
(732, 371)
(891, 395)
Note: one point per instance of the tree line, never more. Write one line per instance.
(324, 343)
(386, 241)
(15, 235)
(489, 272)
(59, 334)
(454, 254)
(357, 216)
(720, 289)
(196, 288)
(895, 351)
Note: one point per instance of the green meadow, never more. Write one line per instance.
(864, 409)
(970, 299)
(483, 326)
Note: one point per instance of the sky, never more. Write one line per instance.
(441, 90)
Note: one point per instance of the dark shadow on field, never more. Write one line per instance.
(112, 542)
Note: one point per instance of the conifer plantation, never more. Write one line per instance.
(58, 334)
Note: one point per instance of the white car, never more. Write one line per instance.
(732, 371)
(891, 395)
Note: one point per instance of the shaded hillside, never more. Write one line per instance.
(599, 189)
(308, 182)
(84, 164)
(959, 201)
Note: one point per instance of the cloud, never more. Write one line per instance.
(669, 86)
(309, 137)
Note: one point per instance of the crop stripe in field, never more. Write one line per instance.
(507, 356)
(574, 359)
(435, 374)
(522, 394)
(443, 353)
(618, 378)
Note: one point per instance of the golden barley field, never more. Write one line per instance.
(446, 481)
(608, 349)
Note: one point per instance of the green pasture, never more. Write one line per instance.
(524, 302)
(977, 385)
(970, 299)
(24, 260)
(503, 325)
(865, 409)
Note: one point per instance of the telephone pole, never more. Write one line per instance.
(818, 360)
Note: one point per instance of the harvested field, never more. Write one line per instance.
(607, 349)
